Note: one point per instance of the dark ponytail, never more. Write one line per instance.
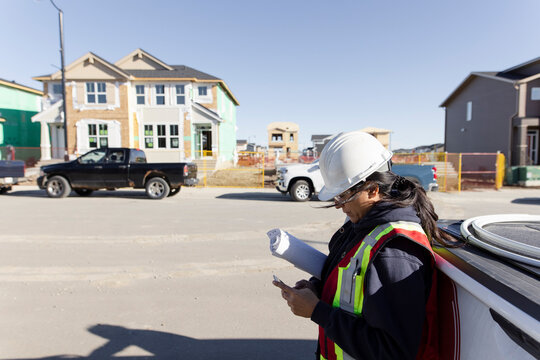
(403, 192)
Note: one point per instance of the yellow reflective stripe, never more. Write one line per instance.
(322, 358)
(407, 226)
(335, 303)
(384, 232)
(339, 352)
(359, 282)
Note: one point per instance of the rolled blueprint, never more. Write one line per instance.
(285, 246)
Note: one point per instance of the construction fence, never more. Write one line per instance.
(460, 171)
(455, 171)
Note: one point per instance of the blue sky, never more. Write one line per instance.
(328, 66)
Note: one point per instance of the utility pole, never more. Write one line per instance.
(61, 23)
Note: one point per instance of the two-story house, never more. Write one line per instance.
(496, 111)
(283, 139)
(173, 112)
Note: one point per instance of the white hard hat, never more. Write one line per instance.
(349, 158)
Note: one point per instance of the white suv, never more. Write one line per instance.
(301, 181)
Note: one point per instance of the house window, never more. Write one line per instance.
(96, 93)
(203, 91)
(57, 89)
(160, 94)
(469, 110)
(175, 141)
(98, 139)
(291, 138)
(277, 137)
(180, 95)
(161, 136)
(164, 140)
(139, 89)
(535, 93)
(149, 136)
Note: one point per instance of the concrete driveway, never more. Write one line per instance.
(116, 275)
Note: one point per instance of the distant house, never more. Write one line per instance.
(319, 141)
(173, 112)
(283, 138)
(382, 135)
(496, 111)
(18, 103)
(241, 145)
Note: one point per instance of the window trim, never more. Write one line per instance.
(159, 95)
(199, 88)
(140, 95)
(167, 137)
(535, 93)
(182, 94)
(98, 135)
(96, 93)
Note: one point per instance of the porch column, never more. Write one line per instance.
(521, 144)
(45, 141)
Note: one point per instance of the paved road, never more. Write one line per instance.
(188, 277)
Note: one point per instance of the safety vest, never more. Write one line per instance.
(344, 287)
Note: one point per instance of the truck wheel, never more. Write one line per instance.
(300, 191)
(174, 191)
(157, 188)
(58, 187)
(83, 192)
(4, 190)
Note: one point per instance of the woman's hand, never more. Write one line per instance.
(302, 301)
(303, 284)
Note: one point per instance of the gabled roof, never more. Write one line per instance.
(13, 84)
(176, 72)
(91, 57)
(484, 74)
(169, 72)
(141, 53)
(51, 114)
(519, 74)
(207, 111)
(319, 137)
(517, 68)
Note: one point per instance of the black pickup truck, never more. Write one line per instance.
(10, 173)
(112, 168)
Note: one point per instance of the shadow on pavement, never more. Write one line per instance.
(164, 346)
(527, 201)
(260, 196)
(96, 194)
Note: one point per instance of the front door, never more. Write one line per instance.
(203, 141)
(57, 141)
(532, 146)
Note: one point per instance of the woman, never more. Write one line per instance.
(374, 298)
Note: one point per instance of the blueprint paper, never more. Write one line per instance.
(285, 246)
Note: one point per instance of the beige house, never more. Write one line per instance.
(382, 135)
(173, 112)
(283, 139)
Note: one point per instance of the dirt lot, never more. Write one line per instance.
(248, 178)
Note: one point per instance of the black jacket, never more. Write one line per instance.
(397, 287)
